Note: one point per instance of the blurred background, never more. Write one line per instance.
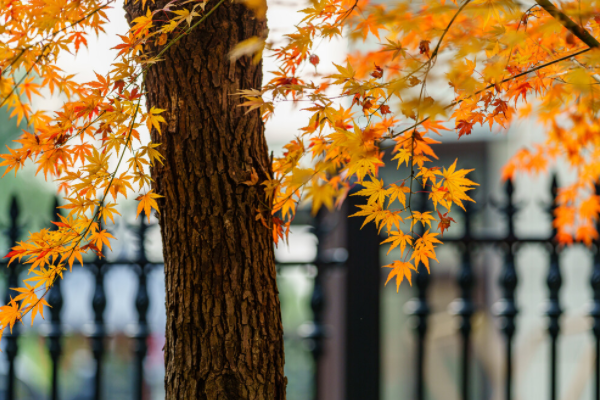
(346, 335)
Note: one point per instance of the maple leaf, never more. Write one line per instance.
(378, 73)
(444, 222)
(253, 178)
(75, 254)
(147, 202)
(400, 270)
(424, 47)
(428, 174)
(101, 238)
(398, 192)
(30, 301)
(153, 119)
(389, 219)
(107, 211)
(9, 314)
(586, 233)
(142, 24)
(424, 249)
(321, 194)
(403, 155)
(368, 24)
(439, 194)
(14, 253)
(590, 207)
(186, 15)
(395, 47)
(398, 238)
(14, 160)
(457, 184)
(464, 127)
(374, 190)
(371, 212)
(253, 46)
(344, 75)
(364, 166)
(287, 206)
(28, 87)
(37, 308)
(424, 218)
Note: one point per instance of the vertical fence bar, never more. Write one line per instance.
(418, 308)
(11, 338)
(54, 334)
(362, 312)
(463, 307)
(142, 303)
(55, 300)
(595, 310)
(553, 309)
(98, 331)
(506, 308)
(317, 305)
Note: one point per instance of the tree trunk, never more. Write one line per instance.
(224, 337)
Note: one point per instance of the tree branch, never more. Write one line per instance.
(568, 23)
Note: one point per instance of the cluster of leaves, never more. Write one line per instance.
(483, 58)
(91, 146)
(438, 65)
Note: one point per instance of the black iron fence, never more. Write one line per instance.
(52, 329)
(343, 246)
(506, 309)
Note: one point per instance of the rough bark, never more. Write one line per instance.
(224, 337)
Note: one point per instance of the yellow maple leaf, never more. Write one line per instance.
(344, 75)
(371, 212)
(321, 195)
(374, 190)
(153, 119)
(400, 270)
(147, 203)
(402, 156)
(363, 166)
(390, 218)
(424, 249)
(428, 173)
(100, 238)
(457, 184)
(398, 192)
(423, 218)
(398, 238)
(9, 314)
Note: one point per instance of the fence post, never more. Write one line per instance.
(418, 308)
(506, 308)
(142, 303)
(98, 332)
(54, 333)
(553, 309)
(463, 307)
(363, 282)
(317, 304)
(595, 310)
(11, 338)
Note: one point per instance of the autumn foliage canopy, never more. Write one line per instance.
(433, 65)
